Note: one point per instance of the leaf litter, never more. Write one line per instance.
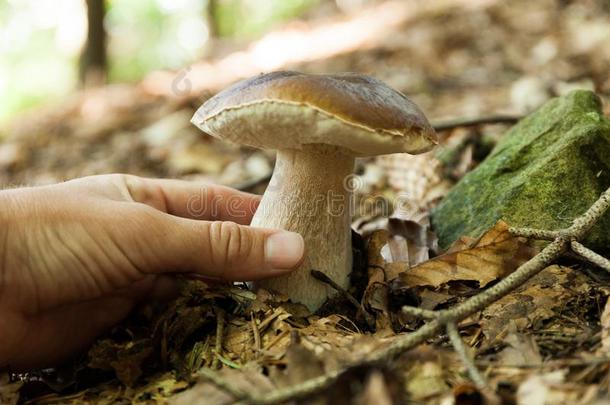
(547, 342)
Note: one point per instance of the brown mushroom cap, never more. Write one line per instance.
(282, 110)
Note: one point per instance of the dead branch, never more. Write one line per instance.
(460, 349)
(368, 318)
(456, 341)
(220, 323)
(473, 122)
(256, 333)
(590, 256)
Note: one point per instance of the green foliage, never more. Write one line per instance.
(248, 18)
(36, 62)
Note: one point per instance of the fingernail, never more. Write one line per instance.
(284, 250)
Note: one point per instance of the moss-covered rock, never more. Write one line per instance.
(548, 169)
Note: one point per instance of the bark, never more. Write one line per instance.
(93, 62)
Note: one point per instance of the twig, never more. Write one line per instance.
(420, 312)
(472, 122)
(368, 318)
(257, 334)
(590, 256)
(540, 234)
(549, 364)
(318, 275)
(220, 323)
(551, 252)
(460, 349)
(298, 391)
(473, 304)
(456, 341)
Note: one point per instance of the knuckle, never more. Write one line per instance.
(127, 184)
(121, 177)
(231, 244)
(118, 179)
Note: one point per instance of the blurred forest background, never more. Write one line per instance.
(97, 86)
(40, 39)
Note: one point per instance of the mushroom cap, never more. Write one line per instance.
(286, 110)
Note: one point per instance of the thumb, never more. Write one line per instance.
(228, 251)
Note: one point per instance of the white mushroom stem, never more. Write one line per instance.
(309, 193)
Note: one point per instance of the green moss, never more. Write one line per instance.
(547, 170)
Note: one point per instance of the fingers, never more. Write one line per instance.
(227, 251)
(192, 199)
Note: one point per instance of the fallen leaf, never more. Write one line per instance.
(160, 388)
(425, 377)
(9, 391)
(126, 359)
(496, 254)
(542, 298)
(248, 379)
(536, 389)
(605, 325)
(375, 297)
(376, 262)
(300, 364)
(554, 388)
(522, 351)
(420, 240)
(375, 391)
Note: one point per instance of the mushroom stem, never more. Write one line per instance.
(309, 193)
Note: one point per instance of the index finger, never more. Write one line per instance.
(194, 200)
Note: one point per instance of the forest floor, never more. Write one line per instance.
(546, 341)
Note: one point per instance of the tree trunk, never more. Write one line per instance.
(93, 62)
(212, 18)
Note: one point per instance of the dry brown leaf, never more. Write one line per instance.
(544, 297)
(496, 254)
(126, 359)
(300, 364)
(522, 351)
(375, 391)
(431, 299)
(375, 295)
(552, 388)
(410, 241)
(605, 325)
(404, 240)
(248, 379)
(374, 245)
(425, 377)
(160, 388)
(9, 391)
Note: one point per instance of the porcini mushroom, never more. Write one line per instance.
(318, 124)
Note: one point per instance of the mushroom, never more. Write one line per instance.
(318, 124)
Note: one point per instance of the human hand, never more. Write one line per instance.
(76, 257)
